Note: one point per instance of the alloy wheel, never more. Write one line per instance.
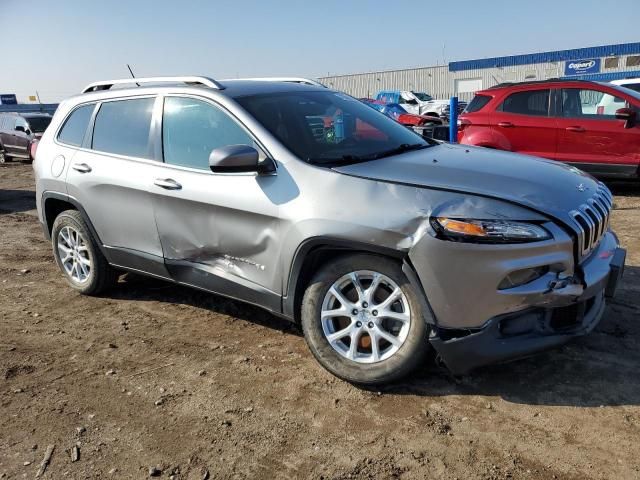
(74, 254)
(365, 316)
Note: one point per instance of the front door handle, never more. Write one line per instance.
(81, 167)
(575, 129)
(167, 183)
(506, 124)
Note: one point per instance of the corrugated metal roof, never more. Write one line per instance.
(544, 57)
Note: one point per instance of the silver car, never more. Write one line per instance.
(316, 207)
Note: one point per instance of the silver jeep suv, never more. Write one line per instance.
(318, 208)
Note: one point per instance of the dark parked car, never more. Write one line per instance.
(18, 132)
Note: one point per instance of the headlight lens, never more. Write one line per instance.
(489, 231)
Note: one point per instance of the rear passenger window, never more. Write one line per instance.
(532, 102)
(75, 126)
(478, 103)
(192, 128)
(122, 127)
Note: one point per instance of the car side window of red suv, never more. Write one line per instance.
(589, 103)
(529, 102)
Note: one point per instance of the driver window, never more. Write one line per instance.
(587, 103)
(191, 129)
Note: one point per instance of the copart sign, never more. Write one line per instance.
(581, 67)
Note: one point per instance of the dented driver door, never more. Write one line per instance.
(218, 232)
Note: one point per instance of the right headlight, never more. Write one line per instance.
(488, 231)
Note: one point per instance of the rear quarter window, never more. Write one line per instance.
(477, 104)
(75, 126)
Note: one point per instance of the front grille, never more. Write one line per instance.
(592, 219)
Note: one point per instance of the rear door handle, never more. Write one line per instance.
(167, 183)
(575, 129)
(81, 167)
(506, 124)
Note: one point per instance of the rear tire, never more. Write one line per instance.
(398, 329)
(78, 255)
(3, 157)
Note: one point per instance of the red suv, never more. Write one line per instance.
(594, 126)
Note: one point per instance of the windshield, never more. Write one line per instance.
(423, 97)
(330, 128)
(38, 124)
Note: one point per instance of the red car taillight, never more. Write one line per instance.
(33, 148)
(463, 123)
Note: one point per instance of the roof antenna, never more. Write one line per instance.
(132, 75)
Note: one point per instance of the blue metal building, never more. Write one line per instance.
(462, 78)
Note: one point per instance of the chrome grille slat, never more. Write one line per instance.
(591, 223)
(581, 232)
(603, 211)
(592, 219)
(597, 218)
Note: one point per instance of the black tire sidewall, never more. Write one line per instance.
(73, 219)
(406, 359)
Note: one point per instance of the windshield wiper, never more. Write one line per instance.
(343, 160)
(347, 159)
(402, 148)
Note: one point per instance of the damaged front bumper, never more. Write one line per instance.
(558, 311)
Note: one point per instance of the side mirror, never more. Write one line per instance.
(628, 115)
(235, 159)
(20, 128)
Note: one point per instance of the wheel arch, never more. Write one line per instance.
(53, 204)
(487, 137)
(315, 252)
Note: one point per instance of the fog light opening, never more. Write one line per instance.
(522, 277)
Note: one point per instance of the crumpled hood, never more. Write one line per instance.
(543, 185)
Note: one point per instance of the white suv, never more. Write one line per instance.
(632, 83)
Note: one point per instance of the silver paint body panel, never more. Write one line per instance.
(238, 234)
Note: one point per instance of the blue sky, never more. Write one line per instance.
(58, 46)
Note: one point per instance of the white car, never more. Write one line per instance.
(605, 104)
(632, 83)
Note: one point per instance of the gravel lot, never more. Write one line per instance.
(195, 386)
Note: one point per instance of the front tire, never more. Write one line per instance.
(363, 320)
(78, 255)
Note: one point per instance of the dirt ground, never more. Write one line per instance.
(154, 375)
